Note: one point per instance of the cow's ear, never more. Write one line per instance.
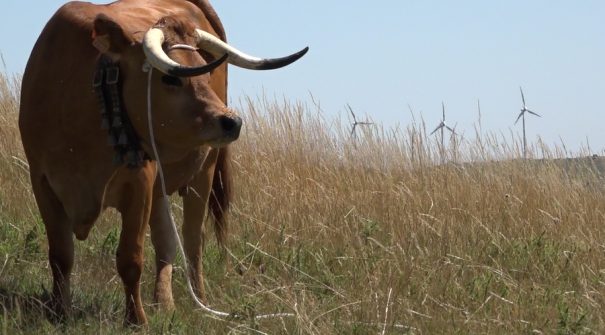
(109, 37)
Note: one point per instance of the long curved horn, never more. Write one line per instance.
(152, 46)
(217, 47)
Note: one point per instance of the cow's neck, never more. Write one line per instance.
(170, 154)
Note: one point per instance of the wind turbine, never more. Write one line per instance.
(356, 123)
(442, 126)
(524, 110)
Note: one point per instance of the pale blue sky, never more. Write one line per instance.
(381, 56)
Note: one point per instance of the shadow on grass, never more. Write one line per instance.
(25, 311)
(33, 311)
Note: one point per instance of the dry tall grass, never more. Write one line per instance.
(365, 237)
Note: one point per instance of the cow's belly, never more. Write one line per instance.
(85, 191)
(81, 197)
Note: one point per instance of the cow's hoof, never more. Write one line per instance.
(164, 301)
(56, 311)
(162, 295)
(136, 319)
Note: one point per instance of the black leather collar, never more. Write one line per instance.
(114, 119)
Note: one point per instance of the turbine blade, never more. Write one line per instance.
(536, 114)
(353, 129)
(443, 109)
(450, 129)
(518, 117)
(351, 111)
(522, 96)
(441, 125)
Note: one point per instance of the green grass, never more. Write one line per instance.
(345, 235)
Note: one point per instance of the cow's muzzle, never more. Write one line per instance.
(231, 126)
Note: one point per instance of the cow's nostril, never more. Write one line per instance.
(231, 124)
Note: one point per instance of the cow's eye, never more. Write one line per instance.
(172, 81)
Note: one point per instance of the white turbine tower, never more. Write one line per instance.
(524, 110)
(442, 126)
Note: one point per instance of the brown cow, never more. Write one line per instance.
(84, 84)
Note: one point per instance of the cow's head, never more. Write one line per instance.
(186, 109)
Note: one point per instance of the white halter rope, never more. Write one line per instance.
(149, 69)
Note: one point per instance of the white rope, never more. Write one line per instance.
(386, 312)
(149, 69)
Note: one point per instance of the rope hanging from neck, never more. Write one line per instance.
(149, 69)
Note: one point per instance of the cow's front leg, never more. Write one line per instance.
(195, 204)
(135, 206)
(164, 243)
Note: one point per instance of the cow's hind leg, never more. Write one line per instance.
(60, 244)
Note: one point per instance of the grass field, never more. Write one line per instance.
(372, 236)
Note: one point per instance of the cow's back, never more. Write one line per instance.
(59, 117)
(56, 95)
(59, 63)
